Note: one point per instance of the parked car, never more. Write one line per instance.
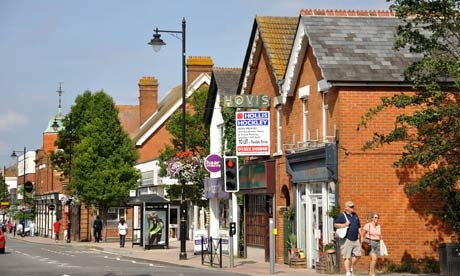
(2, 240)
(24, 233)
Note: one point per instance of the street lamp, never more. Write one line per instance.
(14, 155)
(156, 42)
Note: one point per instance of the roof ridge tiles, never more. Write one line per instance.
(227, 68)
(331, 12)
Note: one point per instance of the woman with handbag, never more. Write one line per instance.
(371, 233)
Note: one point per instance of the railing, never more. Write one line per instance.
(306, 145)
(213, 254)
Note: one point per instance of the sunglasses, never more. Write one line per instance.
(376, 217)
(351, 206)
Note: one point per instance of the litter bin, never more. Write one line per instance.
(449, 259)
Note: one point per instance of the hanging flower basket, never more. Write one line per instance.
(183, 166)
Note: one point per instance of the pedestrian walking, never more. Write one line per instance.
(122, 230)
(97, 226)
(56, 229)
(10, 227)
(371, 232)
(350, 245)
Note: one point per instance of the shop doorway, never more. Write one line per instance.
(315, 226)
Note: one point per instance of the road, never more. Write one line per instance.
(33, 259)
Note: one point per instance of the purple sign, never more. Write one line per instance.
(212, 163)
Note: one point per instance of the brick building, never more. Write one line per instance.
(339, 65)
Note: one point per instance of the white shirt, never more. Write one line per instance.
(122, 228)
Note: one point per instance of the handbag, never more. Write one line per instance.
(383, 249)
(365, 245)
(342, 232)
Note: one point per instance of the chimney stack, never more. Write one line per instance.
(148, 97)
(197, 65)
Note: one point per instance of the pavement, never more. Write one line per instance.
(171, 256)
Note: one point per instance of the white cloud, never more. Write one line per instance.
(12, 119)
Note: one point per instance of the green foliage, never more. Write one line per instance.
(4, 194)
(197, 141)
(289, 213)
(292, 241)
(196, 134)
(97, 155)
(228, 115)
(430, 134)
(333, 212)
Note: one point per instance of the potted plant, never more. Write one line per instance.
(292, 241)
(292, 245)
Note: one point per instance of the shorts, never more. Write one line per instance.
(351, 248)
(375, 247)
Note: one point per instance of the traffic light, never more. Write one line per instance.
(231, 176)
(232, 230)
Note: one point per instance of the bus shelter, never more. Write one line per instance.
(150, 221)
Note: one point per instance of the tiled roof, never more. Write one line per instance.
(227, 79)
(330, 12)
(129, 118)
(277, 34)
(224, 80)
(357, 49)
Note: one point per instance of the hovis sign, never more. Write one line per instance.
(250, 101)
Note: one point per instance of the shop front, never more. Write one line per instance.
(257, 185)
(314, 178)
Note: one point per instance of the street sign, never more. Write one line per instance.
(51, 207)
(252, 133)
(28, 186)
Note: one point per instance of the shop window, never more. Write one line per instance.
(114, 214)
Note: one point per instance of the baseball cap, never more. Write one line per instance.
(349, 204)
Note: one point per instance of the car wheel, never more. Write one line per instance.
(2, 250)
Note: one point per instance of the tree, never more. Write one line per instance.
(197, 142)
(96, 154)
(431, 133)
(4, 194)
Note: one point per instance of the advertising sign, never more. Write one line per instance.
(212, 163)
(252, 133)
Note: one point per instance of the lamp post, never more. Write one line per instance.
(14, 155)
(156, 42)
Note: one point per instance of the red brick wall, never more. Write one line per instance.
(366, 177)
(369, 179)
(156, 142)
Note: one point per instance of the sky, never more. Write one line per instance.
(102, 45)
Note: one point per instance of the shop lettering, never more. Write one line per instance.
(253, 101)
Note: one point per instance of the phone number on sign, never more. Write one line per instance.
(252, 148)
